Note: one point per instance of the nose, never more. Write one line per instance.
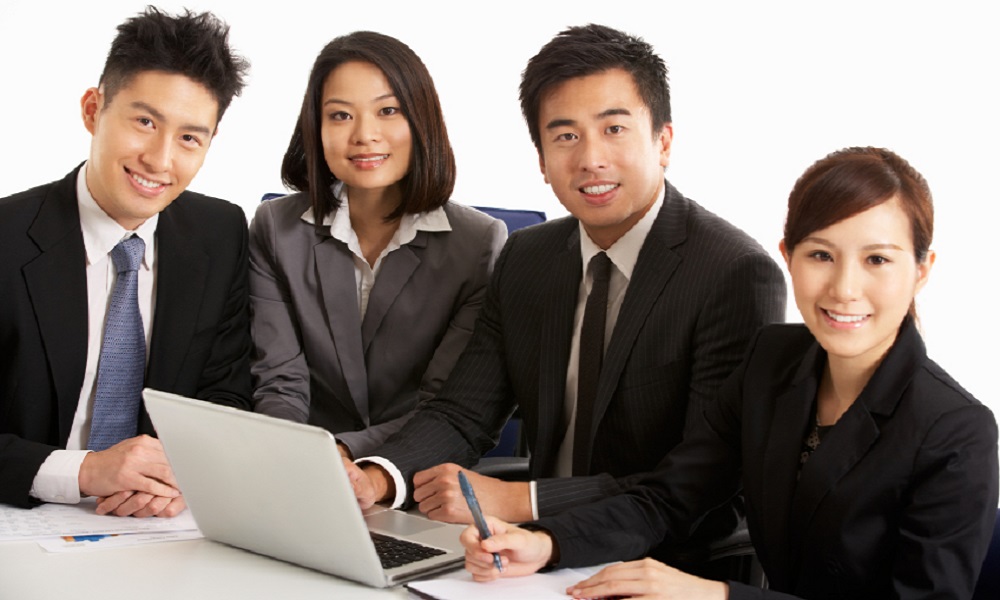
(158, 154)
(846, 283)
(366, 129)
(593, 153)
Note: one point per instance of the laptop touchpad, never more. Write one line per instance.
(399, 523)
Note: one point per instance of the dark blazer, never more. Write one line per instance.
(898, 501)
(699, 290)
(200, 342)
(315, 360)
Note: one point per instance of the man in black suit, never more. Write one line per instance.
(685, 293)
(166, 83)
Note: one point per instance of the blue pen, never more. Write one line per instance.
(477, 513)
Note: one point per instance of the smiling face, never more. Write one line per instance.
(854, 282)
(366, 138)
(149, 141)
(599, 153)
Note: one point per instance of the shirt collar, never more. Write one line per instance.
(339, 221)
(624, 253)
(101, 233)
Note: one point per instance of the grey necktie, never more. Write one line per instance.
(122, 365)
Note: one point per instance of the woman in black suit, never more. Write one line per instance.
(867, 471)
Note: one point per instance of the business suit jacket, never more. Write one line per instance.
(699, 290)
(200, 343)
(898, 501)
(316, 361)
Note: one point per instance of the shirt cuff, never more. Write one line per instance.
(533, 494)
(397, 477)
(58, 479)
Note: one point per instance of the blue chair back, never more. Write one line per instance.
(514, 218)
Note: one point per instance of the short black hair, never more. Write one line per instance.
(189, 44)
(431, 176)
(586, 50)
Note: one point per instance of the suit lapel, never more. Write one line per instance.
(397, 269)
(57, 285)
(789, 422)
(561, 292)
(847, 443)
(335, 272)
(181, 270)
(654, 266)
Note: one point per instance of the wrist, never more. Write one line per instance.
(382, 483)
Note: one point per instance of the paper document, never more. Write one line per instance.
(53, 520)
(540, 586)
(90, 543)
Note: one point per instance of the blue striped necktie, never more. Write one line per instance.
(122, 365)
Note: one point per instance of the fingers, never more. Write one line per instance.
(364, 491)
(109, 504)
(175, 507)
(137, 464)
(439, 495)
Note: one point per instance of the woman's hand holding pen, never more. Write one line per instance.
(522, 552)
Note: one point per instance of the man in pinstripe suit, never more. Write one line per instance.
(686, 292)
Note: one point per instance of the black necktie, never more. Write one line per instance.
(591, 357)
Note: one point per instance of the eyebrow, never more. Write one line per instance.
(556, 123)
(159, 116)
(376, 99)
(869, 247)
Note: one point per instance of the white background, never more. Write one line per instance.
(760, 91)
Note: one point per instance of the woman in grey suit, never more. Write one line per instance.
(867, 471)
(364, 285)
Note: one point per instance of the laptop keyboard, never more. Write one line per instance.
(394, 552)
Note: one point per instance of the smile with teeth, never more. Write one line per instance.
(844, 318)
(597, 190)
(369, 158)
(146, 183)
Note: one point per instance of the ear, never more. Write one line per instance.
(784, 254)
(541, 166)
(924, 271)
(664, 139)
(90, 108)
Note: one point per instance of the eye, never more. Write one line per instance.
(615, 129)
(566, 137)
(187, 138)
(339, 116)
(821, 255)
(877, 260)
(388, 111)
(144, 121)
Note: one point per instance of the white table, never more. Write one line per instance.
(188, 570)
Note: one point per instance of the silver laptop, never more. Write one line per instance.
(280, 489)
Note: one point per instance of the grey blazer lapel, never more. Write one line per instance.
(335, 272)
(561, 293)
(397, 269)
(57, 284)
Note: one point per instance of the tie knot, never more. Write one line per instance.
(600, 267)
(127, 255)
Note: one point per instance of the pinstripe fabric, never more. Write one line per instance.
(699, 291)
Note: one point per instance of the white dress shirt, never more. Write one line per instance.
(57, 479)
